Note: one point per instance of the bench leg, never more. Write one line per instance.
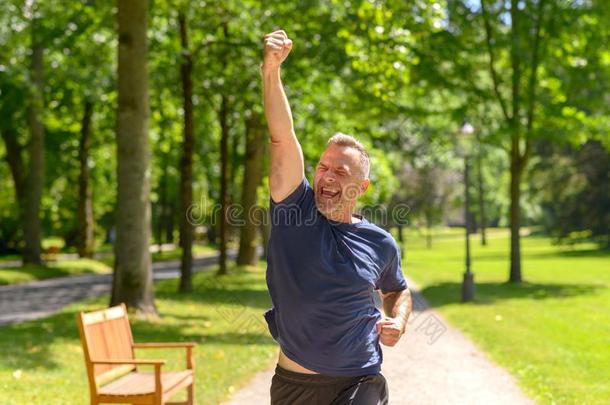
(191, 394)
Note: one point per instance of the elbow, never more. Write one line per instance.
(282, 137)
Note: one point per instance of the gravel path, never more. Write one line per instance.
(432, 364)
(39, 299)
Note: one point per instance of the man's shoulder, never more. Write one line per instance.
(299, 193)
(381, 236)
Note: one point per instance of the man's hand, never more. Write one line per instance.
(390, 330)
(277, 48)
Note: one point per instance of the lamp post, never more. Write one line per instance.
(468, 282)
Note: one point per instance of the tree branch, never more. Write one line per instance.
(533, 80)
(492, 68)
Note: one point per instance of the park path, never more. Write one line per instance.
(432, 364)
(39, 299)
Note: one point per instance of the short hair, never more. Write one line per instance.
(341, 139)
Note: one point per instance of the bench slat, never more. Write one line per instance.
(144, 383)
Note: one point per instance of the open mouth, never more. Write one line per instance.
(329, 192)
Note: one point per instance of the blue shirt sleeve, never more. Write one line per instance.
(295, 209)
(391, 278)
(295, 197)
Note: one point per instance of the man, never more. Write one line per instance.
(324, 265)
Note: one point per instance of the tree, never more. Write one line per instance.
(253, 177)
(522, 53)
(132, 282)
(85, 200)
(186, 163)
(35, 177)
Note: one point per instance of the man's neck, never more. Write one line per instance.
(347, 218)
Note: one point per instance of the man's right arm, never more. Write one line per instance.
(287, 168)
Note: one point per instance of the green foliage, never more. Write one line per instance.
(572, 191)
(400, 76)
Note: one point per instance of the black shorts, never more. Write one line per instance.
(291, 388)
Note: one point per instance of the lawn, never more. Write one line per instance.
(71, 267)
(41, 362)
(552, 332)
(62, 268)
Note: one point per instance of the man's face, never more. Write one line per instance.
(339, 181)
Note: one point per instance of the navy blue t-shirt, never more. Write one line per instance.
(321, 276)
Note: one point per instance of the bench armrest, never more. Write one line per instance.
(171, 345)
(163, 345)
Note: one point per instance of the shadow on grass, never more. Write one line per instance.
(36, 272)
(577, 253)
(487, 293)
(546, 254)
(236, 318)
(215, 290)
(27, 345)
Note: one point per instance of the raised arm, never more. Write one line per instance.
(286, 156)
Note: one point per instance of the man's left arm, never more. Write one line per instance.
(397, 306)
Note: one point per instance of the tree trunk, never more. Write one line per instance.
(14, 158)
(515, 219)
(35, 179)
(401, 233)
(169, 222)
(265, 229)
(428, 231)
(253, 176)
(224, 186)
(515, 157)
(186, 163)
(224, 172)
(133, 282)
(85, 203)
(234, 163)
(163, 183)
(163, 211)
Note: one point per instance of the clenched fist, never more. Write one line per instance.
(277, 48)
(390, 330)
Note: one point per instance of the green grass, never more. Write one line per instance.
(72, 267)
(41, 362)
(63, 268)
(552, 332)
(175, 254)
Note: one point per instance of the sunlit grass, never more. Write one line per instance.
(552, 332)
(175, 254)
(63, 268)
(41, 362)
(71, 267)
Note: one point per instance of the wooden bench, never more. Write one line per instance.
(113, 370)
(50, 254)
